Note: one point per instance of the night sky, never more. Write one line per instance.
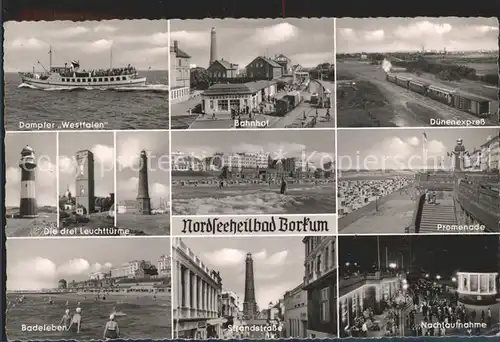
(444, 255)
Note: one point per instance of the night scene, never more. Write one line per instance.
(419, 286)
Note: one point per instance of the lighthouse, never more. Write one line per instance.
(27, 207)
(143, 199)
(213, 46)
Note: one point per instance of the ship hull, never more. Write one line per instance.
(52, 84)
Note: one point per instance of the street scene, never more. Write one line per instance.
(395, 286)
(143, 182)
(248, 73)
(81, 289)
(412, 181)
(417, 72)
(253, 172)
(30, 183)
(254, 288)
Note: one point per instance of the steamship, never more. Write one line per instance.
(70, 76)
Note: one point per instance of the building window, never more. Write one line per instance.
(179, 62)
(223, 105)
(334, 257)
(327, 254)
(318, 264)
(211, 104)
(325, 304)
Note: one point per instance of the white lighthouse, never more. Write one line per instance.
(28, 208)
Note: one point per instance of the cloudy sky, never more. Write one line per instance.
(128, 148)
(40, 263)
(102, 145)
(404, 148)
(410, 34)
(45, 146)
(307, 42)
(278, 263)
(142, 43)
(319, 146)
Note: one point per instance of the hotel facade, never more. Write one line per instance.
(197, 305)
(320, 282)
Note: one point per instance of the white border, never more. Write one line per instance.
(257, 130)
(336, 176)
(171, 251)
(58, 175)
(414, 128)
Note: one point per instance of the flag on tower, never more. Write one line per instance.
(425, 136)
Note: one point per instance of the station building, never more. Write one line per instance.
(222, 98)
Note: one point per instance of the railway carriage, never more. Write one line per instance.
(442, 95)
(403, 81)
(390, 78)
(475, 105)
(472, 104)
(419, 87)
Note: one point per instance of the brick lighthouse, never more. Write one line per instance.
(27, 207)
(143, 199)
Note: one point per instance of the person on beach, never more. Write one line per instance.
(111, 331)
(77, 320)
(283, 186)
(50, 300)
(66, 318)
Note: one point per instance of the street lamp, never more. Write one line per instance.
(438, 277)
(453, 279)
(392, 265)
(427, 275)
(347, 264)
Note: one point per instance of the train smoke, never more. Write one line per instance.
(386, 65)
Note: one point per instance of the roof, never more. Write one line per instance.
(225, 64)
(473, 97)
(268, 61)
(179, 53)
(283, 56)
(237, 88)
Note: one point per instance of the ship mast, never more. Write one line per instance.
(111, 58)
